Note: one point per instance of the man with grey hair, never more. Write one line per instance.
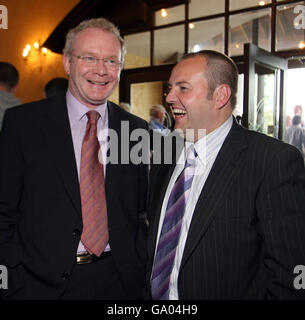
(157, 114)
(72, 225)
(9, 78)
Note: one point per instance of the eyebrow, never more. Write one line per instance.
(179, 83)
(182, 82)
(88, 53)
(96, 55)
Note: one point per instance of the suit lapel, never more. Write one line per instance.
(58, 136)
(113, 170)
(215, 189)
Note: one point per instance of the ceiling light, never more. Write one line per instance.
(191, 25)
(25, 53)
(301, 44)
(163, 13)
(262, 3)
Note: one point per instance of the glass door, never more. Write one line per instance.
(263, 101)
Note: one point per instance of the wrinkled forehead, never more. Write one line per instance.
(96, 39)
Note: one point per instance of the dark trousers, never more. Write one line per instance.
(95, 281)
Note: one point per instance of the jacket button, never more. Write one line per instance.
(76, 232)
(65, 276)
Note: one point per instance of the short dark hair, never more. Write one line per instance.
(55, 87)
(221, 69)
(9, 75)
(296, 120)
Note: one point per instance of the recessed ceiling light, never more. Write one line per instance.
(191, 25)
(262, 3)
(163, 13)
(301, 44)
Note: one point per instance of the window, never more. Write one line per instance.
(170, 15)
(207, 34)
(253, 27)
(169, 45)
(238, 4)
(198, 8)
(289, 34)
(205, 29)
(138, 50)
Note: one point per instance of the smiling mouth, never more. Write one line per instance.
(98, 83)
(178, 112)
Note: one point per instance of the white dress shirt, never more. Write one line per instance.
(207, 149)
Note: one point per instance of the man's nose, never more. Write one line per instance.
(170, 96)
(100, 67)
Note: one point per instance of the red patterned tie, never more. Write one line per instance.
(92, 190)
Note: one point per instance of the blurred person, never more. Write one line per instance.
(295, 135)
(71, 225)
(55, 87)
(126, 106)
(298, 111)
(157, 114)
(9, 78)
(288, 122)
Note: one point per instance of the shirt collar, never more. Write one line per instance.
(211, 143)
(77, 110)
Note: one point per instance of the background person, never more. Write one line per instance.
(157, 115)
(126, 106)
(298, 111)
(55, 87)
(9, 78)
(295, 135)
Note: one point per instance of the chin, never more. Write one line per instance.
(96, 99)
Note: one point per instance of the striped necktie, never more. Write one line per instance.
(170, 232)
(92, 190)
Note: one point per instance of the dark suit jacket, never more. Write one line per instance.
(248, 229)
(40, 207)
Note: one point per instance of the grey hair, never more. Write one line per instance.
(154, 109)
(98, 23)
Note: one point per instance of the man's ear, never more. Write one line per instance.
(222, 95)
(66, 63)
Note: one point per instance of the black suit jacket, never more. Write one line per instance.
(247, 233)
(40, 207)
